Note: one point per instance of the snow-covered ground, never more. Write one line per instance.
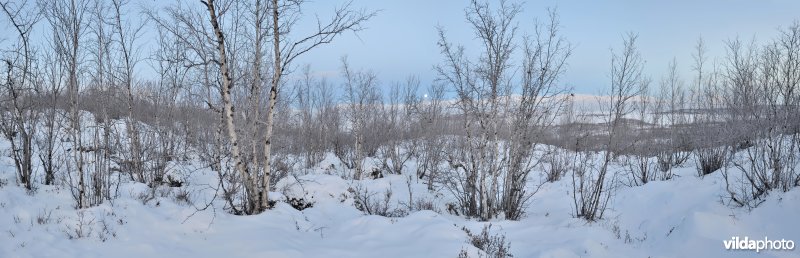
(683, 217)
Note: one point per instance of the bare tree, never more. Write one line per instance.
(286, 50)
(770, 76)
(640, 165)
(489, 172)
(68, 22)
(101, 85)
(362, 96)
(671, 106)
(710, 148)
(19, 88)
(126, 34)
(480, 87)
(228, 111)
(171, 125)
(542, 98)
(595, 190)
(394, 135)
(46, 141)
(429, 113)
(318, 117)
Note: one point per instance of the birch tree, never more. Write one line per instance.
(67, 19)
(126, 33)
(18, 86)
(671, 105)
(711, 148)
(593, 191)
(286, 47)
(491, 163)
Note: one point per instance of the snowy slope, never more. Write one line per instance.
(683, 217)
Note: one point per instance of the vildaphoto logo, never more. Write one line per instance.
(745, 243)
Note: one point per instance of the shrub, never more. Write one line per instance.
(492, 245)
(299, 203)
(365, 201)
(709, 160)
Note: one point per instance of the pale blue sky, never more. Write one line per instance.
(401, 40)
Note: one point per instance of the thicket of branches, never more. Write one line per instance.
(502, 115)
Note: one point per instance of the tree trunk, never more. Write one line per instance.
(228, 110)
(273, 97)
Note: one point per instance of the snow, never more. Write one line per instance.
(682, 217)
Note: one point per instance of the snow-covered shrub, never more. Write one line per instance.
(44, 217)
(709, 160)
(182, 195)
(282, 166)
(83, 226)
(394, 156)
(763, 106)
(770, 164)
(590, 186)
(429, 157)
(369, 202)
(490, 184)
(146, 196)
(492, 245)
(557, 161)
(423, 205)
(665, 161)
(640, 170)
